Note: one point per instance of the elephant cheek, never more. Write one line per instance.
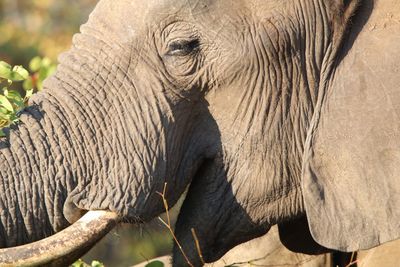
(213, 212)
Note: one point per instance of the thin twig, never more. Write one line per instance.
(168, 224)
(196, 240)
(352, 261)
(144, 257)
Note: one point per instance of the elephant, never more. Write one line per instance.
(268, 112)
(266, 250)
(269, 251)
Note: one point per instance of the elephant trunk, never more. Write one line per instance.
(54, 150)
(65, 247)
(77, 148)
(35, 179)
(88, 141)
(38, 172)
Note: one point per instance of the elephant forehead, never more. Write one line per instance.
(196, 6)
(124, 20)
(140, 10)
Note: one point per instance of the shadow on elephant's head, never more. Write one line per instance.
(357, 24)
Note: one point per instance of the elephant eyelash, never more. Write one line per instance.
(183, 47)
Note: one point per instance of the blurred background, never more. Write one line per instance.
(29, 28)
(39, 27)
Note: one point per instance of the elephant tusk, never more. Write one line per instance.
(64, 247)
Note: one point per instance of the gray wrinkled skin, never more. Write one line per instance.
(267, 109)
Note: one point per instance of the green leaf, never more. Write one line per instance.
(79, 263)
(51, 70)
(14, 118)
(97, 264)
(155, 264)
(39, 85)
(15, 98)
(19, 74)
(46, 62)
(4, 113)
(35, 64)
(6, 103)
(28, 94)
(12, 94)
(14, 77)
(28, 84)
(43, 74)
(2, 134)
(5, 70)
(4, 120)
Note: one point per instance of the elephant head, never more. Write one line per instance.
(267, 110)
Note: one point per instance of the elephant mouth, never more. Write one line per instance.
(64, 247)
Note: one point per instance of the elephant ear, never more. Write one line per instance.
(351, 164)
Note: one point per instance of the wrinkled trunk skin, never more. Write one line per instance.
(68, 139)
(36, 176)
(54, 150)
(64, 140)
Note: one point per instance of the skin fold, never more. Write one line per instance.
(221, 97)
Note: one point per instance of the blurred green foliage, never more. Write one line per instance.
(81, 263)
(13, 101)
(39, 27)
(31, 28)
(128, 245)
(155, 264)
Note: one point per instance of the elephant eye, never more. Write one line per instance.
(183, 47)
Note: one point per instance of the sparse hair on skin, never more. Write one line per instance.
(341, 12)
